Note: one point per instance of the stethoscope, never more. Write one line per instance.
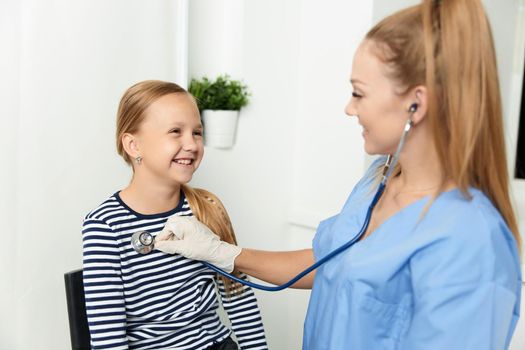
(143, 242)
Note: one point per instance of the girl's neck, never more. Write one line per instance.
(148, 197)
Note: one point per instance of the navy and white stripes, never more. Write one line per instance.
(158, 300)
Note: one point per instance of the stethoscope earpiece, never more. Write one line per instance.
(413, 108)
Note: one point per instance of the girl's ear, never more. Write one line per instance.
(131, 145)
(419, 96)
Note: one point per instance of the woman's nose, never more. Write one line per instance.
(350, 109)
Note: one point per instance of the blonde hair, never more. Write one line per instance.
(209, 210)
(448, 47)
(133, 105)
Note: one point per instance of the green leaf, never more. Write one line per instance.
(221, 94)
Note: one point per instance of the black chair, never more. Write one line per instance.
(76, 310)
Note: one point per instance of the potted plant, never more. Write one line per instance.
(219, 102)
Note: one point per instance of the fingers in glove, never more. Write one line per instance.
(165, 235)
(180, 225)
(170, 247)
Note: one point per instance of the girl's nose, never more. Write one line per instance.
(189, 143)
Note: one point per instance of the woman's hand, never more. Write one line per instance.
(187, 236)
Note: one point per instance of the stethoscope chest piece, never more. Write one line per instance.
(142, 242)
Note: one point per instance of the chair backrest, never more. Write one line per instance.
(76, 310)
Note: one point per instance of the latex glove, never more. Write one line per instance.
(187, 236)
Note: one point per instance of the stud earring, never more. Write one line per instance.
(138, 160)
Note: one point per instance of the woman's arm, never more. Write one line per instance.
(191, 238)
(277, 267)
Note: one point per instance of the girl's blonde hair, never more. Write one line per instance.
(448, 47)
(133, 105)
(210, 211)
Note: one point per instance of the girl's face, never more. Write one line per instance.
(170, 138)
(381, 112)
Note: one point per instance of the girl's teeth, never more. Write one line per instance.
(183, 162)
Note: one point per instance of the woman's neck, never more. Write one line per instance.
(148, 197)
(421, 169)
(419, 175)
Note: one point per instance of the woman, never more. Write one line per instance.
(438, 266)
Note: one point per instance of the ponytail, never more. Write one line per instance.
(465, 104)
(209, 210)
(453, 55)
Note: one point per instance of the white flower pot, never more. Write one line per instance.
(219, 128)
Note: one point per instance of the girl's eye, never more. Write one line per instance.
(356, 95)
(197, 133)
(176, 131)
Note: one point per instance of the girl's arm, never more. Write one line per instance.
(277, 267)
(244, 315)
(103, 286)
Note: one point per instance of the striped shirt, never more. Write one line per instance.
(157, 300)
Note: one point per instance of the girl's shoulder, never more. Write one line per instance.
(105, 208)
(114, 209)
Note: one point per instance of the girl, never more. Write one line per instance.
(438, 267)
(160, 301)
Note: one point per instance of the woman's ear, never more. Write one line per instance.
(131, 145)
(418, 96)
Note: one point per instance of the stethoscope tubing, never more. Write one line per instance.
(320, 262)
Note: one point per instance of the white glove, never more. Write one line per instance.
(187, 236)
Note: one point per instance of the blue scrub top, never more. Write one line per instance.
(448, 279)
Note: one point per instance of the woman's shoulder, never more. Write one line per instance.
(465, 232)
(469, 219)
(467, 209)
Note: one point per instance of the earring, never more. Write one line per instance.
(138, 160)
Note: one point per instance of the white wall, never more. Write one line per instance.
(64, 66)
(9, 86)
(297, 155)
